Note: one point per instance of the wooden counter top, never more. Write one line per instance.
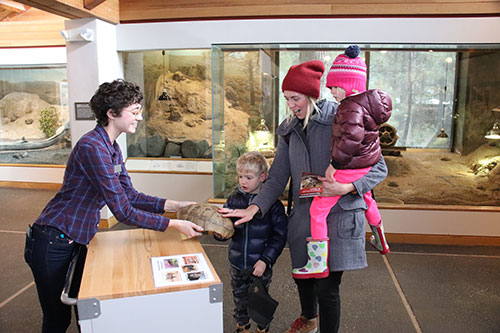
(119, 263)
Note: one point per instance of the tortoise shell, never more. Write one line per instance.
(207, 217)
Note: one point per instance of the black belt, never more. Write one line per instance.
(49, 229)
(45, 228)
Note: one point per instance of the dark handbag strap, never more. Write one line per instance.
(290, 197)
(290, 187)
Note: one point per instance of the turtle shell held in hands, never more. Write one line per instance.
(207, 217)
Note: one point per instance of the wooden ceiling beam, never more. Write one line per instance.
(105, 10)
(12, 6)
(144, 10)
(91, 4)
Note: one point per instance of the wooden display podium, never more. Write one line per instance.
(118, 292)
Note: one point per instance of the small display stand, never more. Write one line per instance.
(120, 291)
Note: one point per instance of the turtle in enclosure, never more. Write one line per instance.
(207, 217)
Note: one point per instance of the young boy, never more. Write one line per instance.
(354, 149)
(256, 245)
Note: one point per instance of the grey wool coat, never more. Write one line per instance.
(310, 153)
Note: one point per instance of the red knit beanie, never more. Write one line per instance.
(348, 71)
(305, 78)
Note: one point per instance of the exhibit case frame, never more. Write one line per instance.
(444, 101)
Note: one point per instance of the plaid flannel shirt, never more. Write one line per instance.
(95, 175)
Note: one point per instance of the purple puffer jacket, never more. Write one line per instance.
(355, 132)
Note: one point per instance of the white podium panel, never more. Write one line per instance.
(118, 292)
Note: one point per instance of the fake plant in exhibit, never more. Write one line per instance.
(49, 121)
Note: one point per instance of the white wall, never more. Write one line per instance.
(188, 187)
(441, 222)
(89, 65)
(202, 34)
(33, 56)
(31, 174)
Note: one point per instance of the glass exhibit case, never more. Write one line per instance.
(441, 144)
(177, 103)
(34, 115)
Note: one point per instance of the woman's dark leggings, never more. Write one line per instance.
(324, 292)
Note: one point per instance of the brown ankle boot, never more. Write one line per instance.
(304, 325)
(242, 328)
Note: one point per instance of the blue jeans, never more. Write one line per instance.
(240, 282)
(326, 293)
(48, 252)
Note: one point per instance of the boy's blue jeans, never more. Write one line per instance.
(48, 252)
(240, 282)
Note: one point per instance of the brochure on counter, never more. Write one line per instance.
(180, 269)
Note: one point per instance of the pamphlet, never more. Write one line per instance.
(310, 185)
(180, 269)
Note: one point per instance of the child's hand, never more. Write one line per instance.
(259, 268)
(330, 171)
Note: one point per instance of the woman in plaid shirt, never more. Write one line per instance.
(95, 176)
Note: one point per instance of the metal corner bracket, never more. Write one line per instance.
(215, 293)
(89, 308)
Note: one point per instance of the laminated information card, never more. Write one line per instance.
(180, 269)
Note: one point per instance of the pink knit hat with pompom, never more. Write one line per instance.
(348, 71)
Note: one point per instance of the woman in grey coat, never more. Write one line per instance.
(304, 146)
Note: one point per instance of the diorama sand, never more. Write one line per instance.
(443, 178)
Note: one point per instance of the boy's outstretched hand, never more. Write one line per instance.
(259, 268)
(245, 215)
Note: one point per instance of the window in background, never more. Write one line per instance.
(421, 84)
(443, 97)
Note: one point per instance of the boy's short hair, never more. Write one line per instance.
(116, 96)
(252, 161)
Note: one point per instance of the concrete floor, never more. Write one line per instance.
(416, 288)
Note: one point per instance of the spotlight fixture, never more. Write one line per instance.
(494, 133)
(262, 126)
(164, 96)
(261, 139)
(442, 133)
(78, 35)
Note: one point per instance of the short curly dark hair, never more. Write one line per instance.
(116, 96)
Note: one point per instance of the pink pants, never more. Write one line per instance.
(321, 206)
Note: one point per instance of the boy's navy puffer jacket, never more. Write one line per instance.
(260, 238)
